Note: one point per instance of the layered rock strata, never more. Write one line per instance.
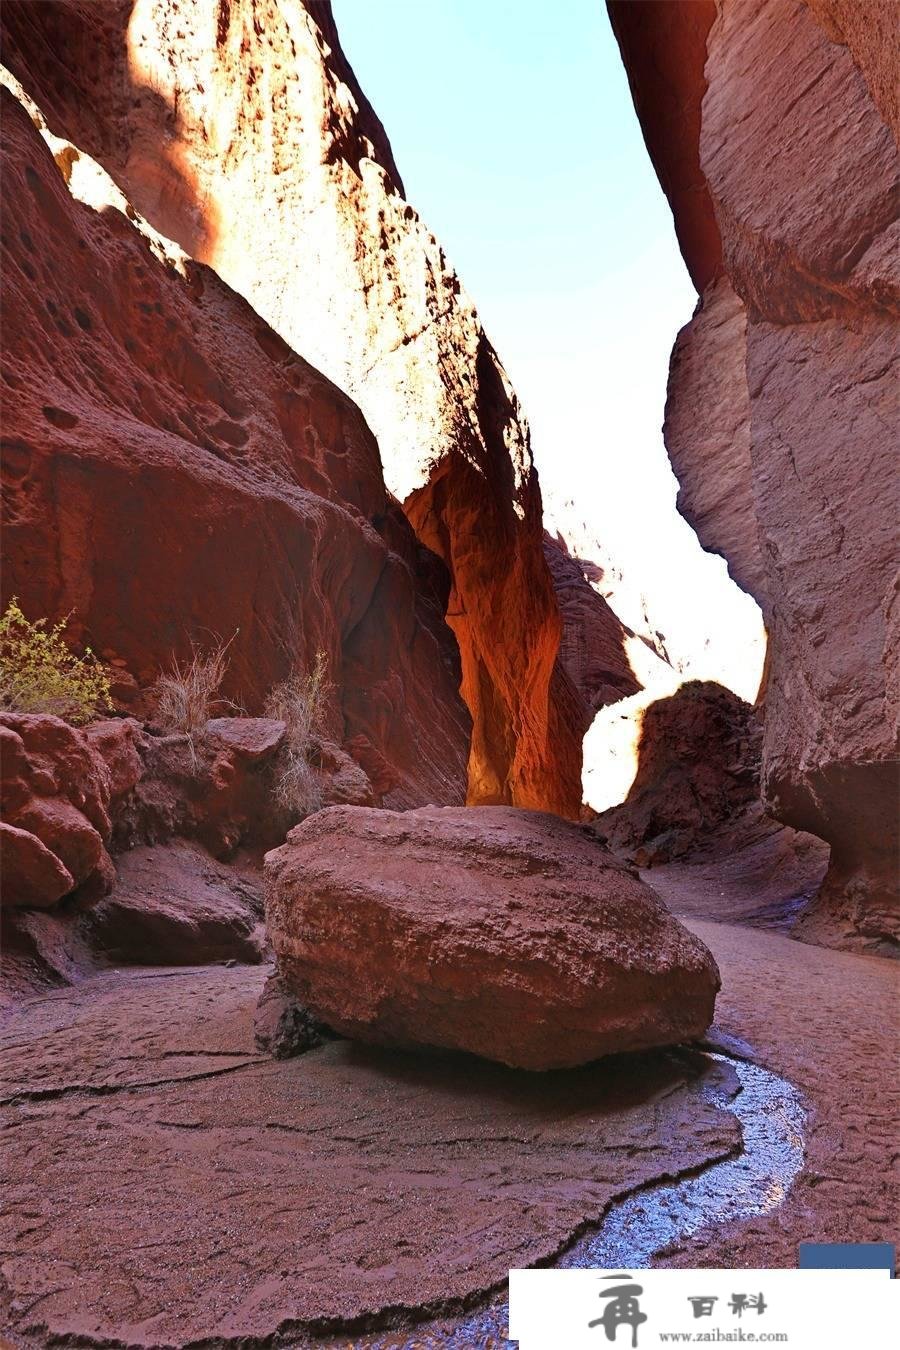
(773, 140)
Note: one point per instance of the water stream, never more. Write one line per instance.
(755, 1182)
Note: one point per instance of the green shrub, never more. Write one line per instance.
(40, 674)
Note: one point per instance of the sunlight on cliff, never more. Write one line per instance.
(89, 182)
(162, 182)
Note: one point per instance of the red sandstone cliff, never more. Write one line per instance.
(173, 471)
(770, 125)
(237, 128)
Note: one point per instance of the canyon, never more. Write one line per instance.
(205, 127)
(321, 1074)
(254, 106)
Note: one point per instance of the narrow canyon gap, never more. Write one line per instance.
(280, 1074)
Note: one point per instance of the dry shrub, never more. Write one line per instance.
(187, 695)
(39, 674)
(300, 702)
(298, 787)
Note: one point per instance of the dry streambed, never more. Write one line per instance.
(166, 1184)
(645, 1223)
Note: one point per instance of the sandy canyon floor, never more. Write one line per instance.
(166, 1184)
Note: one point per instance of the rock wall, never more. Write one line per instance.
(173, 472)
(237, 128)
(593, 646)
(776, 129)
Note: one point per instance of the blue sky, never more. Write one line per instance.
(513, 128)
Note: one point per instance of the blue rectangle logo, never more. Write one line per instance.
(847, 1256)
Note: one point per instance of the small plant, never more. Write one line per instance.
(300, 702)
(187, 694)
(297, 786)
(40, 674)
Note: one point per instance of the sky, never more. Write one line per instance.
(513, 129)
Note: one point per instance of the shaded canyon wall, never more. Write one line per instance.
(237, 128)
(173, 473)
(772, 125)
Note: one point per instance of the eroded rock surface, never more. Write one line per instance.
(694, 817)
(33, 875)
(173, 471)
(664, 50)
(372, 1188)
(282, 1026)
(169, 828)
(176, 906)
(345, 1189)
(55, 793)
(782, 389)
(806, 1013)
(220, 784)
(708, 422)
(502, 932)
(240, 131)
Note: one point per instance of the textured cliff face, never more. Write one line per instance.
(708, 422)
(593, 648)
(782, 391)
(172, 471)
(238, 129)
(664, 50)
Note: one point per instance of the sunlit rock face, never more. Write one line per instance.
(239, 130)
(799, 165)
(173, 473)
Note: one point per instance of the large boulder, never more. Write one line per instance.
(507, 933)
